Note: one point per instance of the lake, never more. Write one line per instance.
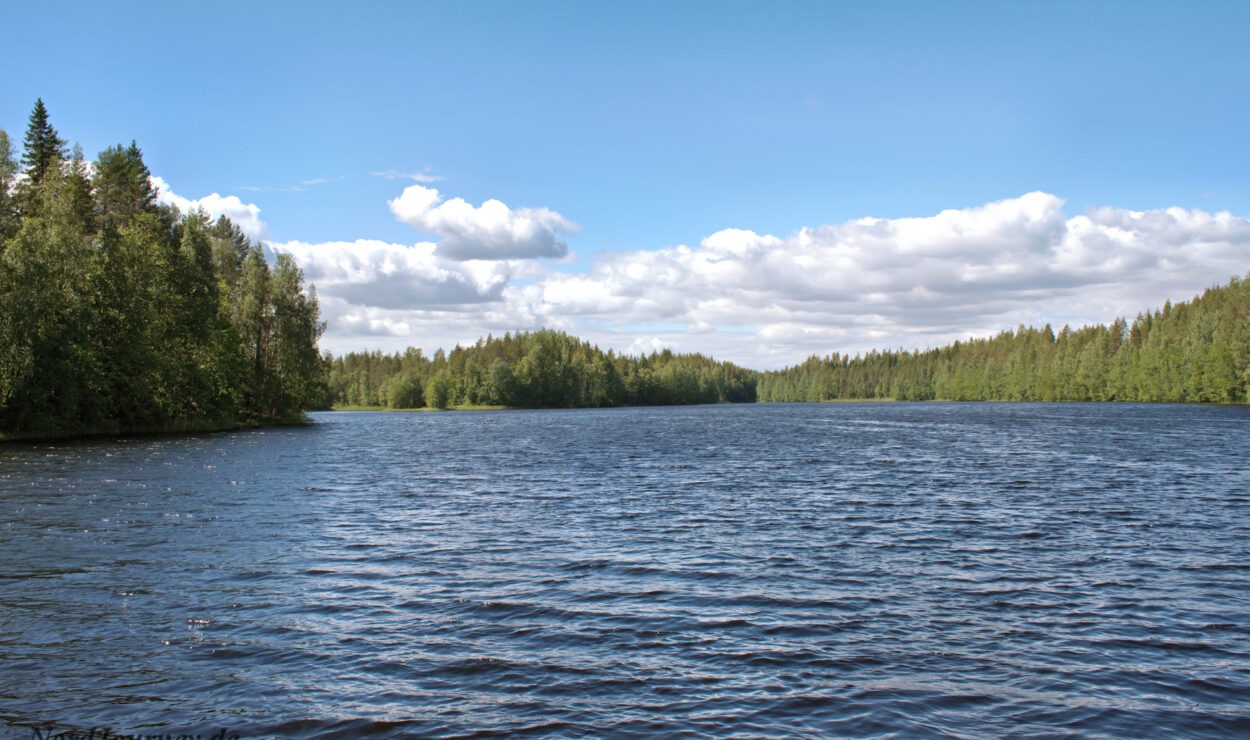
(921, 570)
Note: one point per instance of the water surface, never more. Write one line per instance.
(916, 570)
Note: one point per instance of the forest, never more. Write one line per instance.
(120, 315)
(1194, 352)
(541, 369)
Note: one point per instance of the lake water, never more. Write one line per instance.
(921, 570)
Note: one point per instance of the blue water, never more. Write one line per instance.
(857, 570)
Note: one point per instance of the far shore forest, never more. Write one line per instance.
(1193, 352)
(119, 315)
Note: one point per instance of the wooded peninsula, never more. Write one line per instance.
(121, 315)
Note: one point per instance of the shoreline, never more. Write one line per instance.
(173, 430)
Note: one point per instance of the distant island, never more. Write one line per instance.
(121, 315)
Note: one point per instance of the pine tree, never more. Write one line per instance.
(123, 185)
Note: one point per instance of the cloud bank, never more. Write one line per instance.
(764, 300)
(909, 282)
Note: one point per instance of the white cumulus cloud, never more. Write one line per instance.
(491, 231)
(244, 215)
(396, 276)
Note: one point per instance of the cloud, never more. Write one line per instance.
(414, 175)
(491, 231)
(245, 215)
(767, 301)
(646, 345)
(383, 275)
(909, 282)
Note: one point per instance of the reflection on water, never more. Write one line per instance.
(844, 569)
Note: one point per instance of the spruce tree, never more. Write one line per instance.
(43, 145)
(142, 195)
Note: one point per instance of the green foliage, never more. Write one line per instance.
(404, 391)
(119, 315)
(542, 369)
(8, 202)
(1191, 352)
(439, 388)
(122, 185)
(43, 146)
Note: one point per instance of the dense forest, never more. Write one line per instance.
(1185, 353)
(1189, 352)
(118, 314)
(542, 369)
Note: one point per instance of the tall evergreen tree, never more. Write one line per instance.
(78, 185)
(122, 185)
(43, 145)
(141, 194)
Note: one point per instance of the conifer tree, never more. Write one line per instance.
(78, 186)
(43, 145)
(122, 184)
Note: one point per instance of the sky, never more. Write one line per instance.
(759, 182)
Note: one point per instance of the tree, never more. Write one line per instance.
(49, 365)
(8, 175)
(79, 192)
(252, 316)
(297, 325)
(403, 391)
(501, 384)
(43, 145)
(438, 389)
(230, 250)
(122, 185)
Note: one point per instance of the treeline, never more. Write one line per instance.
(118, 314)
(1190, 352)
(1185, 353)
(542, 369)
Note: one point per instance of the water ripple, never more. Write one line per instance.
(925, 570)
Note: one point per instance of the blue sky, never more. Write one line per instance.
(615, 136)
